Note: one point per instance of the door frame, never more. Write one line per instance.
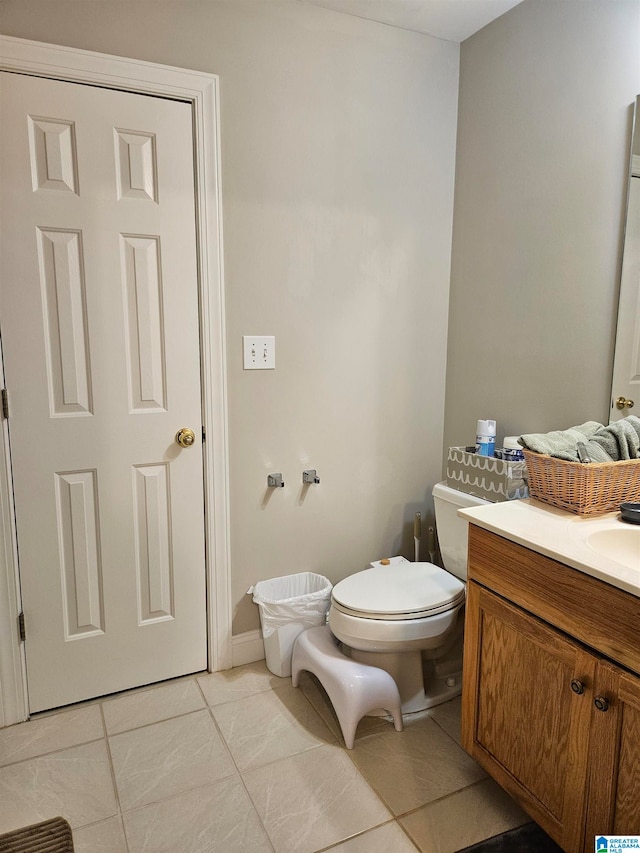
(202, 92)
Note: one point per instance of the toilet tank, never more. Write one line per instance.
(453, 531)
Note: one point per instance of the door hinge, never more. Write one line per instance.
(204, 434)
(21, 629)
(5, 404)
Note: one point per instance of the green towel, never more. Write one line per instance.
(594, 451)
(562, 444)
(620, 440)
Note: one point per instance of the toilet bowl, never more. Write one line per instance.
(407, 618)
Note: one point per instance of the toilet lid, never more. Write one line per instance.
(401, 591)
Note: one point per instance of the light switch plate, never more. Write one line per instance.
(259, 352)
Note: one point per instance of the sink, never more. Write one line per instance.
(608, 537)
(621, 544)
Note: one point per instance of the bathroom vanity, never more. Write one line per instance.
(551, 686)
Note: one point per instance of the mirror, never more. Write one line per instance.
(625, 389)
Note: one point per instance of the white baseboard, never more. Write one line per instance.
(247, 647)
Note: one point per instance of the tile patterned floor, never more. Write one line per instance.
(242, 762)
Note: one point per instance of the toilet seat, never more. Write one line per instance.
(400, 592)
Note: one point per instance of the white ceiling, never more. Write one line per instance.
(454, 20)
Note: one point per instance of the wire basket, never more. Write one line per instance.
(583, 488)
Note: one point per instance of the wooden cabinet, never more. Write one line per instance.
(548, 710)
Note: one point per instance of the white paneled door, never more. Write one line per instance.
(625, 386)
(99, 325)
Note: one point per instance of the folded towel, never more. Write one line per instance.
(594, 452)
(561, 443)
(620, 440)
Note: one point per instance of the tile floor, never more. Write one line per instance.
(242, 762)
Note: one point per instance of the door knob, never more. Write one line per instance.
(623, 403)
(185, 437)
(577, 686)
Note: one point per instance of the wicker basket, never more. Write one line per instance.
(586, 489)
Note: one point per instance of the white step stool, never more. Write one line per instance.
(353, 688)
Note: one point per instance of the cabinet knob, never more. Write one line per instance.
(601, 703)
(577, 686)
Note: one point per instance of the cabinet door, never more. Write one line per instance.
(522, 721)
(614, 781)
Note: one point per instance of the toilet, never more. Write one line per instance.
(407, 618)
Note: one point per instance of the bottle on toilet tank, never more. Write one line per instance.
(486, 438)
(512, 449)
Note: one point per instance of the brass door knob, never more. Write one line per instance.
(623, 403)
(185, 437)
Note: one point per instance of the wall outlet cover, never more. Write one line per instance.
(259, 352)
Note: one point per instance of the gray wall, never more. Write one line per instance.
(543, 147)
(338, 148)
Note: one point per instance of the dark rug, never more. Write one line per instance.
(50, 836)
(525, 839)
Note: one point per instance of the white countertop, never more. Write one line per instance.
(562, 536)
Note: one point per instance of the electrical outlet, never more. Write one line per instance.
(259, 352)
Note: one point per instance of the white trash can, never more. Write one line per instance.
(288, 606)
